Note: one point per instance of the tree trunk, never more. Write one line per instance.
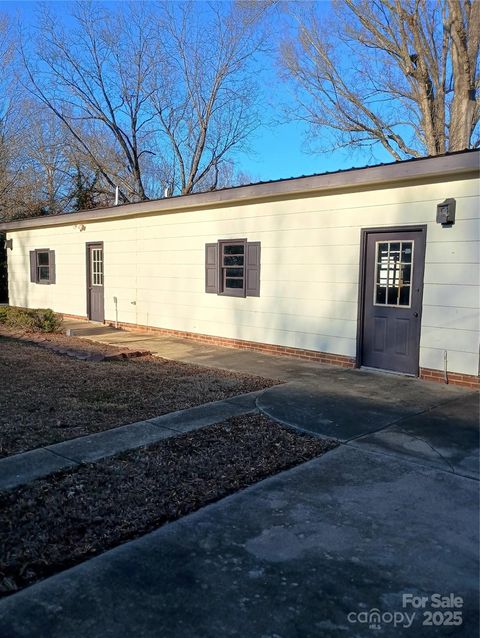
(462, 111)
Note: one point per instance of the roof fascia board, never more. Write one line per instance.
(442, 166)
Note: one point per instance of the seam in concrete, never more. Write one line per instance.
(158, 425)
(287, 424)
(62, 456)
(403, 418)
(419, 438)
(217, 419)
(407, 459)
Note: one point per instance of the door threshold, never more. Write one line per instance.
(394, 372)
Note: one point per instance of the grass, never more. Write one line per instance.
(48, 397)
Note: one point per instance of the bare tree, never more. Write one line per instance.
(93, 78)
(204, 88)
(225, 175)
(10, 165)
(18, 179)
(400, 73)
(150, 93)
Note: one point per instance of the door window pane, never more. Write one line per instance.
(381, 295)
(406, 252)
(393, 273)
(405, 296)
(97, 267)
(406, 270)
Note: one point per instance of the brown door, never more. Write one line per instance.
(95, 292)
(393, 287)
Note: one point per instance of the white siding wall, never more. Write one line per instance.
(154, 265)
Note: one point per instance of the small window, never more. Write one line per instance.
(232, 268)
(42, 266)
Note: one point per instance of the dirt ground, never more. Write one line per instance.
(47, 397)
(61, 520)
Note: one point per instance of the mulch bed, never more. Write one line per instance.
(46, 398)
(62, 520)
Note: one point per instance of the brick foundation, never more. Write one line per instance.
(78, 317)
(454, 378)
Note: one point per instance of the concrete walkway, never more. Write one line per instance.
(22, 468)
(189, 351)
(431, 423)
(399, 416)
(301, 555)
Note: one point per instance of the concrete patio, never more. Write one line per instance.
(329, 548)
(299, 555)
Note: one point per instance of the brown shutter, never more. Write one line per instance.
(211, 268)
(51, 263)
(252, 285)
(33, 266)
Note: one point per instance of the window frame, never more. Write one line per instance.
(36, 267)
(222, 276)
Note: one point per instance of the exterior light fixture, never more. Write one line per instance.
(446, 212)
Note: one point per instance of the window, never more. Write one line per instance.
(393, 273)
(232, 268)
(97, 267)
(42, 266)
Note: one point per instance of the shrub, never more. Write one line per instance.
(39, 320)
(47, 321)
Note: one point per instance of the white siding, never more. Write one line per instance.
(154, 265)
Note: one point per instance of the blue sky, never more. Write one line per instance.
(276, 149)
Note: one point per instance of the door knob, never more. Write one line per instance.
(415, 314)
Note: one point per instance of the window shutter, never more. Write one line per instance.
(33, 266)
(51, 263)
(211, 268)
(252, 285)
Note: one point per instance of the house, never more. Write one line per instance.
(374, 266)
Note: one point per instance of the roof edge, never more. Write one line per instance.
(408, 170)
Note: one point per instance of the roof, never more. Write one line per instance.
(450, 164)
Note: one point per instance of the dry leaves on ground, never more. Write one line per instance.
(46, 397)
(64, 519)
